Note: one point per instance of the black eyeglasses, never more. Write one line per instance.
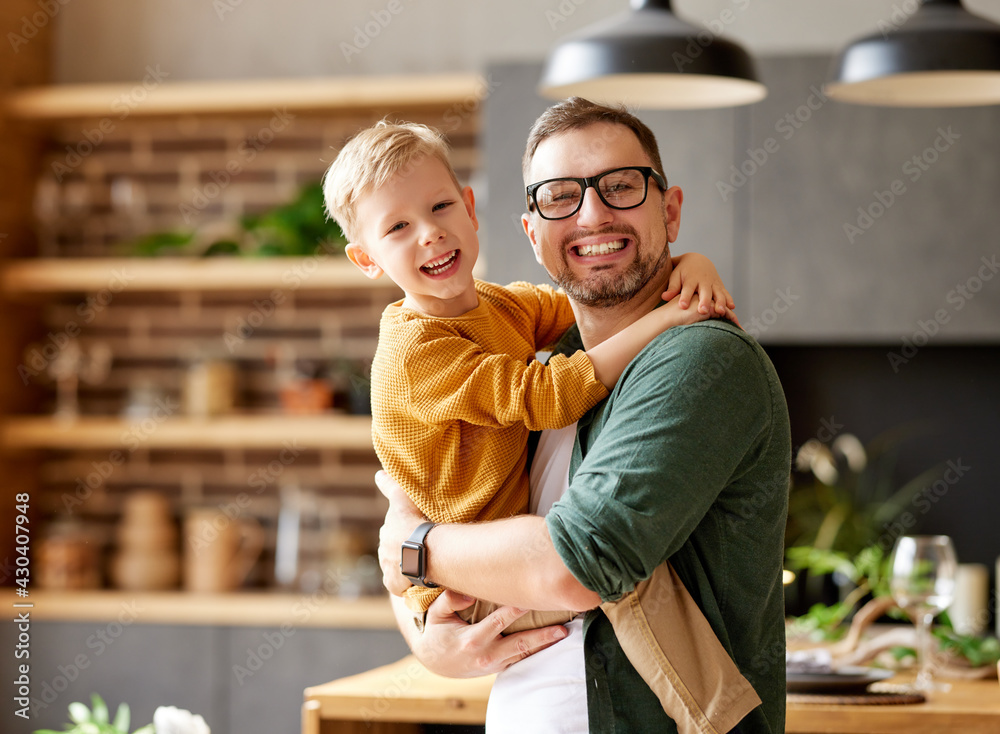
(619, 188)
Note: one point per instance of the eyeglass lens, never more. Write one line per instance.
(618, 189)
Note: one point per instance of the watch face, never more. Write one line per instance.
(410, 565)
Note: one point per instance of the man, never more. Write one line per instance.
(687, 460)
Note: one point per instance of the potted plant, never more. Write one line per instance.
(95, 720)
(845, 497)
(298, 228)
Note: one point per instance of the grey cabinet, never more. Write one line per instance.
(869, 225)
(244, 680)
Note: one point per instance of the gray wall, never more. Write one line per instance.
(929, 214)
(110, 40)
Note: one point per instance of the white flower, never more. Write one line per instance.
(172, 720)
(817, 457)
(848, 446)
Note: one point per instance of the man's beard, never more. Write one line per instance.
(608, 289)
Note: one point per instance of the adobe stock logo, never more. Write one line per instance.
(957, 298)
(371, 29)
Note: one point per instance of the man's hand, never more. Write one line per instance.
(401, 519)
(451, 647)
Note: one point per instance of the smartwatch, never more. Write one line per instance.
(413, 559)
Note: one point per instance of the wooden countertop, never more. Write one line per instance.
(404, 693)
(242, 609)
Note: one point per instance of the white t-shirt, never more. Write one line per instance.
(546, 693)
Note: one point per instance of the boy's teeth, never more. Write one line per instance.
(441, 264)
(602, 249)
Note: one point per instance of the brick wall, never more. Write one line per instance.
(102, 183)
(25, 50)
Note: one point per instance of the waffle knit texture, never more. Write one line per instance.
(453, 401)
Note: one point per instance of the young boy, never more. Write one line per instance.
(456, 387)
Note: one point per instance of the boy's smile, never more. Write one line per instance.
(442, 266)
(420, 230)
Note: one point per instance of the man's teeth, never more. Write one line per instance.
(441, 264)
(602, 249)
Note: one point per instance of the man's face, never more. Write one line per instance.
(601, 256)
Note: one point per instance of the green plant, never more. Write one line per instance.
(96, 721)
(867, 571)
(298, 228)
(846, 495)
(977, 650)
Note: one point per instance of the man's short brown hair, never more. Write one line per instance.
(576, 113)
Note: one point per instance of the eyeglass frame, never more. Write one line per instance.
(591, 182)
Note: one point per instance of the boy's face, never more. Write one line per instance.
(420, 230)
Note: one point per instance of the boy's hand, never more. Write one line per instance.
(693, 273)
(678, 314)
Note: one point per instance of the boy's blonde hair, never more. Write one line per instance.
(371, 158)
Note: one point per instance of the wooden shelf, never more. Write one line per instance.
(349, 432)
(65, 275)
(67, 102)
(250, 609)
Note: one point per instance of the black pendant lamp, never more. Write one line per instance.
(942, 56)
(648, 57)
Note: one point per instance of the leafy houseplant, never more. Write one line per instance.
(297, 228)
(166, 720)
(846, 496)
(95, 721)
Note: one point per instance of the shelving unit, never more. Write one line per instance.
(242, 97)
(243, 609)
(155, 313)
(23, 278)
(345, 432)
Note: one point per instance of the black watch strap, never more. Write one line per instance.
(413, 556)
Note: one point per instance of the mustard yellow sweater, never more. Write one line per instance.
(453, 400)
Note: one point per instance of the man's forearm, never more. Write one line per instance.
(510, 561)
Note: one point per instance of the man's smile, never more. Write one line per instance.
(600, 248)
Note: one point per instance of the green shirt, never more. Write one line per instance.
(688, 460)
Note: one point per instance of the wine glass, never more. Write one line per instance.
(922, 582)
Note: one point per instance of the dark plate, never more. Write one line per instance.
(843, 680)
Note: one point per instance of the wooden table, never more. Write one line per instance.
(396, 698)
(970, 707)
